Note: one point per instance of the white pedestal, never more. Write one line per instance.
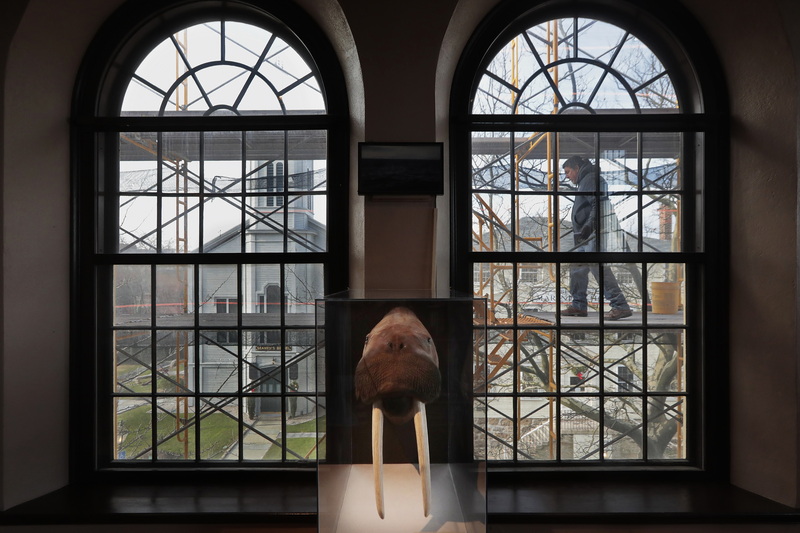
(347, 500)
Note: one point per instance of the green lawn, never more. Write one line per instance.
(218, 431)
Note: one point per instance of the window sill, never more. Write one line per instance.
(295, 503)
(640, 502)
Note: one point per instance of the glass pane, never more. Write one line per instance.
(261, 435)
(533, 162)
(262, 349)
(147, 90)
(180, 224)
(304, 284)
(666, 427)
(667, 294)
(180, 156)
(301, 367)
(538, 437)
(321, 415)
(661, 218)
(536, 293)
(306, 229)
(623, 422)
(138, 224)
(176, 429)
(296, 85)
(580, 431)
(301, 429)
(596, 88)
(265, 226)
(623, 360)
(132, 356)
(132, 295)
(174, 361)
(619, 161)
(596, 38)
(537, 360)
(133, 435)
(262, 293)
(666, 361)
(174, 295)
(219, 428)
(307, 166)
(579, 368)
(494, 97)
(137, 162)
(219, 305)
(219, 361)
(533, 223)
(500, 360)
(500, 427)
(491, 223)
(480, 434)
(266, 161)
(621, 226)
(222, 161)
(551, 40)
(265, 440)
(222, 221)
(622, 293)
(580, 293)
(495, 281)
(662, 155)
(491, 161)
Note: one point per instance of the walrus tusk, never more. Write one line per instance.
(377, 455)
(421, 428)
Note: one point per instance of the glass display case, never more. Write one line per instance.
(354, 493)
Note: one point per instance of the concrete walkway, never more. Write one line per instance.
(255, 446)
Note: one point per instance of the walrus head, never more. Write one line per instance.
(398, 374)
(399, 365)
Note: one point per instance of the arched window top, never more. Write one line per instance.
(574, 65)
(223, 67)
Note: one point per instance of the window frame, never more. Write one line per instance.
(676, 38)
(131, 31)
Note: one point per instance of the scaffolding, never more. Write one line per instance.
(511, 326)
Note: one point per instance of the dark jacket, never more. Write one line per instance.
(584, 210)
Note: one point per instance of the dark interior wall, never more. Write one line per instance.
(397, 59)
(10, 15)
(760, 71)
(790, 14)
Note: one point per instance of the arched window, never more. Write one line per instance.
(584, 141)
(210, 147)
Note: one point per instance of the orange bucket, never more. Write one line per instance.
(665, 297)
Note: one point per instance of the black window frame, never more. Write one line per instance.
(131, 31)
(674, 35)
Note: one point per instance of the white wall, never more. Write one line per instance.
(42, 63)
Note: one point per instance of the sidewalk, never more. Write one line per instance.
(255, 446)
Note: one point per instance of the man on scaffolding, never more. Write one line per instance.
(584, 174)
